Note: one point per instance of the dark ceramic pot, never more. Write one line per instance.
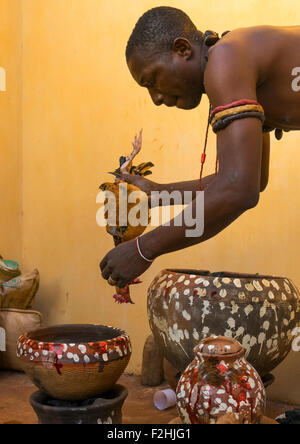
(220, 382)
(106, 409)
(186, 306)
(74, 362)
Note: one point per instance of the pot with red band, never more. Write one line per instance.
(74, 362)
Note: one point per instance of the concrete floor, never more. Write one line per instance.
(16, 388)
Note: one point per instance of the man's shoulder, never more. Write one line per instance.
(238, 59)
(231, 69)
(234, 50)
(241, 38)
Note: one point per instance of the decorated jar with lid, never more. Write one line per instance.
(218, 383)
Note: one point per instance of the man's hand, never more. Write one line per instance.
(123, 264)
(145, 185)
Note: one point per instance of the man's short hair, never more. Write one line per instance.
(157, 29)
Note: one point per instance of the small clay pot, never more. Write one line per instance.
(220, 383)
(186, 306)
(74, 362)
(106, 409)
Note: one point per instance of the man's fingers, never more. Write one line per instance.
(139, 181)
(118, 281)
(130, 178)
(106, 272)
(121, 283)
(103, 263)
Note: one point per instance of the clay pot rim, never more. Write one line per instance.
(100, 347)
(37, 397)
(122, 335)
(222, 274)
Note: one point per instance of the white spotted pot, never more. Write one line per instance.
(74, 362)
(219, 383)
(187, 306)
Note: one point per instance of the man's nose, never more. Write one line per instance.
(158, 98)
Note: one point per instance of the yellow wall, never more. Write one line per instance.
(80, 110)
(10, 129)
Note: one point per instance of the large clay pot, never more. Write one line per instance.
(220, 383)
(186, 306)
(74, 362)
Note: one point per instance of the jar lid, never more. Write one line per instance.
(219, 347)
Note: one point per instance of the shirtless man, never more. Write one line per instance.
(177, 64)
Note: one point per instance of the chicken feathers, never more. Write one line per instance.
(120, 232)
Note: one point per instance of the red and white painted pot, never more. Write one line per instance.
(74, 362)
(220, 382)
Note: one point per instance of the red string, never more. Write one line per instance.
(203, 157)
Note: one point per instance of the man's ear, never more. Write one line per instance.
(182, 47)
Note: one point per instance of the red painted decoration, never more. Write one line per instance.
(220, 382)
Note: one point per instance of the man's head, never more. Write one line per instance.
(164, 54)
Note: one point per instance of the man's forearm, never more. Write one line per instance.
(191, 185)
(221, 207)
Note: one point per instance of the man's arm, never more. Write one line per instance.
(230, 76)
(234, 190)
(149, 186)
(193, 185)
(265, 162)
